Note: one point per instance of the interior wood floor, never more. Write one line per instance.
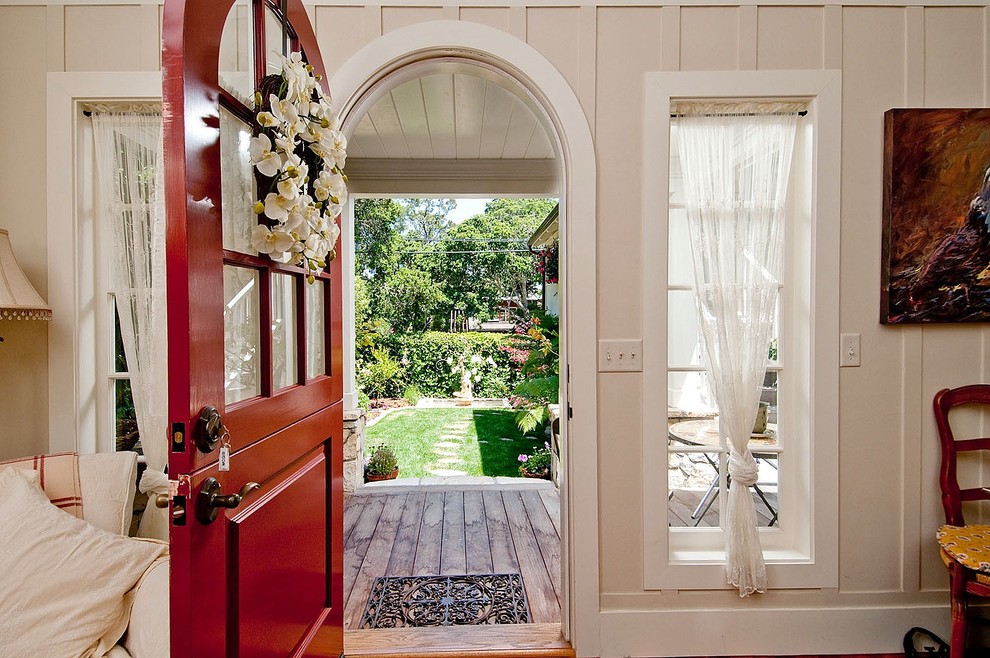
(409, 531)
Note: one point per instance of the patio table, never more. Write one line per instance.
(704, 434)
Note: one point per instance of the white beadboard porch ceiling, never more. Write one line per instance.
(463, 132)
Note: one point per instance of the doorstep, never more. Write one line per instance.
(460, 481)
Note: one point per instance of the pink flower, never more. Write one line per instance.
(524, 458)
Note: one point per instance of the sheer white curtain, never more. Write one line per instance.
(736, 161)
(129, 168)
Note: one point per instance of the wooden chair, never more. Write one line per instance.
(964, 549)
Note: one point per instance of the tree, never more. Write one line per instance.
(411, 301)
(426, 219)
(485, 259)
(377, 223)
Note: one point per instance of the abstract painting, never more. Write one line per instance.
(935, 263)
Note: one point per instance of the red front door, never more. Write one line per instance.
(254, 362)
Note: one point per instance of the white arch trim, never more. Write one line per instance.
(384, 58)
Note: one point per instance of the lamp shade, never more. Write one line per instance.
(18, 298)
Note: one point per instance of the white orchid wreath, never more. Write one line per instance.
(297, 131)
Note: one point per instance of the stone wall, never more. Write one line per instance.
(354, 422)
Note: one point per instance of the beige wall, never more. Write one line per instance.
(890, 56)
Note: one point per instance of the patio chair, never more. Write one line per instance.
(965, 549)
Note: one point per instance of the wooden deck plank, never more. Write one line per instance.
(499, 536)
(477, 546)
(404, 530)
(543, 603)
(403, 551)
(551, 501)
(356, 547)
(352, 512)
(376, 559)
(453, 560)
(546, 536)
(430, 536)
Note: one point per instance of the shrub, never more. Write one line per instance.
(537, 464)
(364, 402)
(381, 461)
(382, 377)
(431, 360)
(411, 394)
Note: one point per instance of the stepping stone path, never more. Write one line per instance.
(446, 449)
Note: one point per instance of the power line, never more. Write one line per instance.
(474, 251)
(452, 239)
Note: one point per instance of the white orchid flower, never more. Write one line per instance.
(262, 156)
(296, 220)
(284, 110)
(285, 144)
(338, 188)
(287, 188)
(277, 207)
(316, 247)
(266, 241)
(322, 186)
(267, 120)
(334, 234)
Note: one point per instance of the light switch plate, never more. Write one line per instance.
(849, 350)
(620, 355)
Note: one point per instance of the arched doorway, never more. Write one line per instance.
(402, 55)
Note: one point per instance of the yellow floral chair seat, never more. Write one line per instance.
(969, 546)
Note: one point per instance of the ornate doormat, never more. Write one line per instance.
(489, 598)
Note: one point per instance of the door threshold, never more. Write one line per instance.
(496, 640)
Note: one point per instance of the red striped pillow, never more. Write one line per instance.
(59, 475)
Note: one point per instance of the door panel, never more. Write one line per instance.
(296, 509)
(264, 578)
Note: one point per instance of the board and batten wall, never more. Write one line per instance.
(889, 56)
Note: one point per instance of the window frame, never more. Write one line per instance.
(79, 351)
(802, 555)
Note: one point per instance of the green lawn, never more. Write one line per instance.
(472, 441)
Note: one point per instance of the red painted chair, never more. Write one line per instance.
(965, 549)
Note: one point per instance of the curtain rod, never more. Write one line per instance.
(741, 114)
(141, 109)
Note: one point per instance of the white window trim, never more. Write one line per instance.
(814, 564)
(77, 346)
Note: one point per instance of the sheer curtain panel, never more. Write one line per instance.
(736, 159)
(129, 168)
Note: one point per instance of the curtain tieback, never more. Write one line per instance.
(743, 468)
(153, 481)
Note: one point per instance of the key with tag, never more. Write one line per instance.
(224, 460)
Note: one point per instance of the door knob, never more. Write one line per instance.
(210, 499)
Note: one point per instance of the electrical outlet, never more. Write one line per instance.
(848, 350)
(620, 355)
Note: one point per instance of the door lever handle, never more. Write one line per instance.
(210, 499)
(230, 501)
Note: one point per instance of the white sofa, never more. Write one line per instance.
(107, 482)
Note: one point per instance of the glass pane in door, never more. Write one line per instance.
(316, 336)
(274, 47)
(241, 333)
(236, 71)
(238, 189)
(284, 348)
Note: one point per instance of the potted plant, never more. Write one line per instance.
(382, 464)
(536, 465)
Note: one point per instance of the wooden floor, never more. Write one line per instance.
(412, 531)
(684, 501)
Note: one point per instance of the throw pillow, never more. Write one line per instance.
(62, 581)
(59, 474)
